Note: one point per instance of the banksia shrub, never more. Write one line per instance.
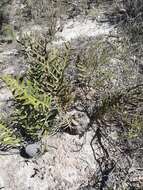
(42, 94)
(8, 138)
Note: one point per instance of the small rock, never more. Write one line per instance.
(31, 150)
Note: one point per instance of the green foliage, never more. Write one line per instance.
(7, 136)
(125, 107)
(43, 94)
(31, 107)
(25, 93)
(47, 69)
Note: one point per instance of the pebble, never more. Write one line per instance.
(31, 150)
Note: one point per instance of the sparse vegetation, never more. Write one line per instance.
(101, 79)
(46, 86)
(128, 17)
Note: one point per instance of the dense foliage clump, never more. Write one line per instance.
(42, 94)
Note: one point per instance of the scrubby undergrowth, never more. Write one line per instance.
(101, 79)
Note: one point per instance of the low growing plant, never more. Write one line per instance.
(7, 137)
(43, 94)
